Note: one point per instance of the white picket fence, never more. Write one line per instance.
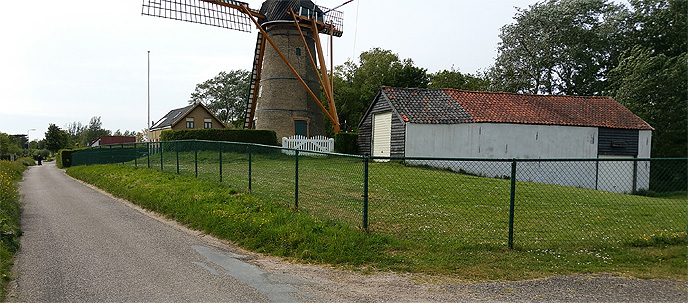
(317, 143)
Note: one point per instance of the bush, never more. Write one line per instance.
(26, 161)
(64, 157)
(265, 137)
(346, 143)
(44, 153)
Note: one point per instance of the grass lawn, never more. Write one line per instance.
(421, 220)
(457, 209)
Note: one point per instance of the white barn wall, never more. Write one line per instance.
(616, 176)
(507, 141)
(500, 141)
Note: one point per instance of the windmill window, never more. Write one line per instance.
(298, 51)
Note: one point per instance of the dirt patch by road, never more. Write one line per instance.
(333, 285)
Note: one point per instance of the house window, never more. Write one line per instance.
(301, 128)
(189, 122)
(207, 123)
(298, 51)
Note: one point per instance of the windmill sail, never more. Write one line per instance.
(200, 11)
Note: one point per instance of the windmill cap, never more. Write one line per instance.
(276, 10)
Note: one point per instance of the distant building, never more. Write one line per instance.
(108, 140)
(195, 116)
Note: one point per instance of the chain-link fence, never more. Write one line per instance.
(527, 203)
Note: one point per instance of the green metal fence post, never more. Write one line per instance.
(162, 167)
(249, 169)
(122, 154)
(195, 157)
(176, 149)
(148, 153)
(220, 149)
(512, 203)
(635, 176)
(136, 156)
(366, 158)
(296, 181)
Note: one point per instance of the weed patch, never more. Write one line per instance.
(10, 175)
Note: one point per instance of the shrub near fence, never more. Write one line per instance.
(64, 157)
(265, 137)
(440, 200)
(346, 143)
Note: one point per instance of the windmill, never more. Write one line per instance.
(285, 80)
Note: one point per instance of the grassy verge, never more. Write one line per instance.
(10, 174)
(268, 225)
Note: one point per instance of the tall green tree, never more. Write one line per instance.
(660, 26)
(654, 88)
(56, 138)
(225, 94)
(560, 47)
(651, 77)
(76, 130)
(93, 131)
(9, 145)
(455, 79)
(355, 84)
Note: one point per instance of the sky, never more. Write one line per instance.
(68, 61)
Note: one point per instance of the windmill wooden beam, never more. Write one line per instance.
(322, 76)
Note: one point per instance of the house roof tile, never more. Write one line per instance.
(449, 106)
(172, 117)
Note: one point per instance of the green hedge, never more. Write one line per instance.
(346, 143)
(64, 157)
(266, 137)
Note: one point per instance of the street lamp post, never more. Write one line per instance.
(28, 141)
(148, 123)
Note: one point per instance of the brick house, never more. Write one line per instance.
(195, 116)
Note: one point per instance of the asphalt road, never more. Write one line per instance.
(80, 245)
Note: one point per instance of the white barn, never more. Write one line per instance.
(450, 123)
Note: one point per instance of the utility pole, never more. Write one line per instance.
(28, 141)
(149, 120)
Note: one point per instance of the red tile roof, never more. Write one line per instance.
(459, 106)
(106, 140)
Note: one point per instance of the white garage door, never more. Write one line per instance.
(382, 134)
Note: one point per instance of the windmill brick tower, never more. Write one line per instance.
(286, 82)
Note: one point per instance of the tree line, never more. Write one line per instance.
(75, 134)
(635, 53)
